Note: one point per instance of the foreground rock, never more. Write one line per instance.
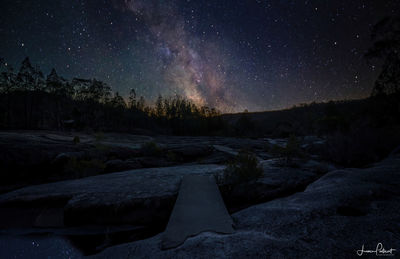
(334, 217)
(36, 157)
(136, 197)
(142, 196)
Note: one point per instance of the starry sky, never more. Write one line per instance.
(229, 54)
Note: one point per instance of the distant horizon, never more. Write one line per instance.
(300, 105)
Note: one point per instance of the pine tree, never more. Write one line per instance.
(141, 104)
(55, 84)
(159, 107)
(7, 77)
(132, 99)
(25, 77)
(117, 101)
(38, 80)
(99, 91)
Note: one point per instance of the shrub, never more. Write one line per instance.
(76, 140)
(173, 157)
(245, 167)
(290, 151)
(151, 149)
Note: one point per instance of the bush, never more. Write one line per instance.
(173, 157)
(76, 140)
(244, 168)
(289, 152)
(151, 149)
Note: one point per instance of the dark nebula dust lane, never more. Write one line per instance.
(231, 55)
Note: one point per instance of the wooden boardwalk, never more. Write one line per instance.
(198, 208)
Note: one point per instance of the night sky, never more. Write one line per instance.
(229, 54)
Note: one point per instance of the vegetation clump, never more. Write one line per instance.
(76, 140)
(173, 157)
(289, 152)
(244, 168)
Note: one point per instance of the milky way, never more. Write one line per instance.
(229, 54)
(193, 68)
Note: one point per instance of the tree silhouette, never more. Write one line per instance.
(7, 85)
(386, 37)
(141, 104)
(159, 111)
(99, 91)
(39, 82)
(7, 77)
(28, 100)
(25, 77)
(132, 99)
(57, 85)
(117, 101)
(244, 125)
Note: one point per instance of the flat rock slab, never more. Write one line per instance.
(198, 208)
(137, 197)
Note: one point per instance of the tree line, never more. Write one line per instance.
(29, 100)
